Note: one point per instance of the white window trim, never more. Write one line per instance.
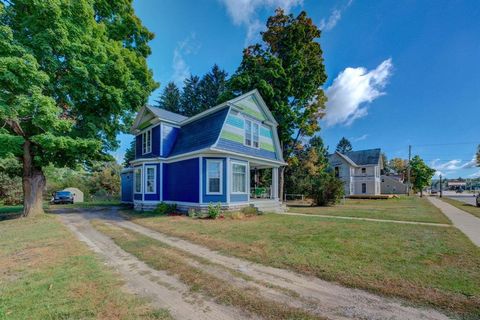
(154, 179)
(147, 148)
(208, 192)
(251, 132)
(246, 177)
(135, 180)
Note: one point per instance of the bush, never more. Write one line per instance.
(165, 208)
(250, 211)
(214, 210)
(327, 190)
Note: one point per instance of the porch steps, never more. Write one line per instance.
(266, 206)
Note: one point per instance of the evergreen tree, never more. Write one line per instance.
(190, 100)
(212, 86)
(129, 153)
(170, 98)
(344, 145)
(478, 155)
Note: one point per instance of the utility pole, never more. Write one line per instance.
(408, 169)
(441, 191)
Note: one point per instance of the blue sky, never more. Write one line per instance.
(399, 72)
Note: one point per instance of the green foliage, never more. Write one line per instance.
(288, 71)
(212, 86)
(190, 100)
(250, 211)
(327, 190)
(165, 208)
(398, 166)
(214, 210)
(129, 153)
(421, 174)
(170, 98)
(478, 155)
(344, 145)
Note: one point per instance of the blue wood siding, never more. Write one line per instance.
(152, 196)
(238, 197)
(207, 198)
(137, 196)
(240, 148)
(155, 144)
(127, 186)
(169, 135)
(181, 181)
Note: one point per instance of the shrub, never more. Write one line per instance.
(250, 211)
(327, 190)
(214, 210)
(237, 215)
(165, 208)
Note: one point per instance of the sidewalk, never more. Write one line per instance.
(467, 223)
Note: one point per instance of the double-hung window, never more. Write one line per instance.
(147, 142)
(252, 134)
(214, 176)
(138, 180)
(239, 178)
(151, 179)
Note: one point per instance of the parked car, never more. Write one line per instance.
(478, 200)
(62, 197)
(459, 190)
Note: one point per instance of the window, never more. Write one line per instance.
(239, 178)
(138, 180)
(252, 134)
(147, 141)
(364, 170)
(151, 179)
(214, 176)
(337, 172)
(364, 188)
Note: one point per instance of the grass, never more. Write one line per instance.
(435, 266)
(163, 257)
(47, 274)
(403, 208)
(463, 206)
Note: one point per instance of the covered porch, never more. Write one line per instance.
(264, 184)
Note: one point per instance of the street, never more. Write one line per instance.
(464, 197)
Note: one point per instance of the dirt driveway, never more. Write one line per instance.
(317, 297)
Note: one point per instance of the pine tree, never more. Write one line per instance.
(129, 154)
(212, 86)
(170, 98)
(344, 145)
(190, 99)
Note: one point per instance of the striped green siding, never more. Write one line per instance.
(250, 107)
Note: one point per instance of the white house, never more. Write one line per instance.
(359, 170)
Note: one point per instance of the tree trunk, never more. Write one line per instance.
(33, 184)
(281, 183)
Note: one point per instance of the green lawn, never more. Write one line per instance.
(437, 266)
(404, 208)
(463, 206)
(45, 273)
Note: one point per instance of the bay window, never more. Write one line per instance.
(239, 178)
(214, 176)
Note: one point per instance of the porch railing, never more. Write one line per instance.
(261, 193)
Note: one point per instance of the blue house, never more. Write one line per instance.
(212, 157)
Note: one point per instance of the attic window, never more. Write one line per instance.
(252, 134)
(147, 142)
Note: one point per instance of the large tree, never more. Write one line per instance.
(190, 99)
(170, 98)
(129, 153)
(421, 174)
(344, 145)
(478, 155)
(212, 86)
(288, 70)
(73, 74)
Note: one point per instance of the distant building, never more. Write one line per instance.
(359, 170)
(392, 184)
(456, 184)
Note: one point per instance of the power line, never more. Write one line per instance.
(446, 144)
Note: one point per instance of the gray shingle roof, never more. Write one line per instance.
(167, 115)
(364, 157)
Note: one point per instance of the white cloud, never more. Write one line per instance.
(453, 165)
(335, 16)
(244, 13)
(181, 70)
(438, 174)
(471, 164)
(362, 137)
(352, 88)
(475, 175)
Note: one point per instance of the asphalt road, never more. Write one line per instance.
(464, 197)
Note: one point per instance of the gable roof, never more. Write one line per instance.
(199, 134)
(166, 115)
(364, 157)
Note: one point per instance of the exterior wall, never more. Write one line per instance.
(233, 133)
(345, 173)
(168, 137)
(181, 181)
(207, 198)
(155, 144)
(127, 186)
(392, 186)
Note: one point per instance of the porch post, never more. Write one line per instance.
(275, 183)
